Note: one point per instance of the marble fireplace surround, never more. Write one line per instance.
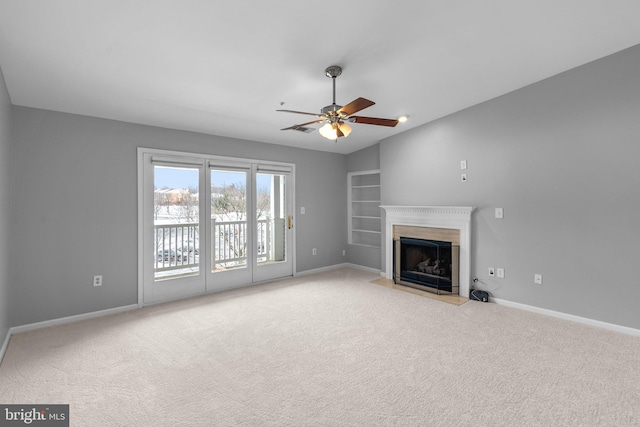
(451, 217)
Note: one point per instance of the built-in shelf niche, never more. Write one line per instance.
(365, 225)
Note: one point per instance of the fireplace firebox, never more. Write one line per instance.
(430, 265)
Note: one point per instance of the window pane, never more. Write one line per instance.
(176, 222)
(228, 219)
(271, 217)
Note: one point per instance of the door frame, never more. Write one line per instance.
(142, 151)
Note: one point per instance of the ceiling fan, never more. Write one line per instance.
(336, 116)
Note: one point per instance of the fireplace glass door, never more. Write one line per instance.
(430, 265)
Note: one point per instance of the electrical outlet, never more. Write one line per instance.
(492, 271)
(314, 251)
(463, 164)
(344, 252)
(97, 280)
(302, 210)
(500, 272)
(537, 279)
(499, 213)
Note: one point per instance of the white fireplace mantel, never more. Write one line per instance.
(453, 217)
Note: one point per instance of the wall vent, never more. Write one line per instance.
(303, 129)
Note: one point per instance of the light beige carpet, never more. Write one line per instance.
(330, 349)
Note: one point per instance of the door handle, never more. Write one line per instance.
(290, 222)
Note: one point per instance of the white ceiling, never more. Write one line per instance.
(224, 67)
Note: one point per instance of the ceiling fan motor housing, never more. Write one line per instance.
(331, 110)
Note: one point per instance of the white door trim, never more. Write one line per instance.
(141, 151)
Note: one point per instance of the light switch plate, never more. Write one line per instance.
(463, 164)
(499, 213)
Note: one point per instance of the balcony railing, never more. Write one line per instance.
(229, 242)
(178, 249)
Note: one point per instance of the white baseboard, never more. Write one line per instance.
(336, 267)
(318, 270)
(362, 267)
(584, 320)
(69, 319)
(5, 344)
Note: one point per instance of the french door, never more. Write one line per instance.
(210, 224)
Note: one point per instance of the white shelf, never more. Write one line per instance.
(366, 231)
(365, 246)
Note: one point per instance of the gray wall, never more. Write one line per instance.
(74, 200)
(561, 157)
(362, 160)
(5, 226)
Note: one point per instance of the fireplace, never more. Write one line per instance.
(441, 226)
(426, 258)
(430, 265)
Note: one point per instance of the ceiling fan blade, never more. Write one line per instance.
(303, 124)
(355, 106)
(300, 112)
(373, 121)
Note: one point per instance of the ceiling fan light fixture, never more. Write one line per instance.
(328, 132)
(345, 129)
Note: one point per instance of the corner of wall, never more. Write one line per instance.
(6, 137)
